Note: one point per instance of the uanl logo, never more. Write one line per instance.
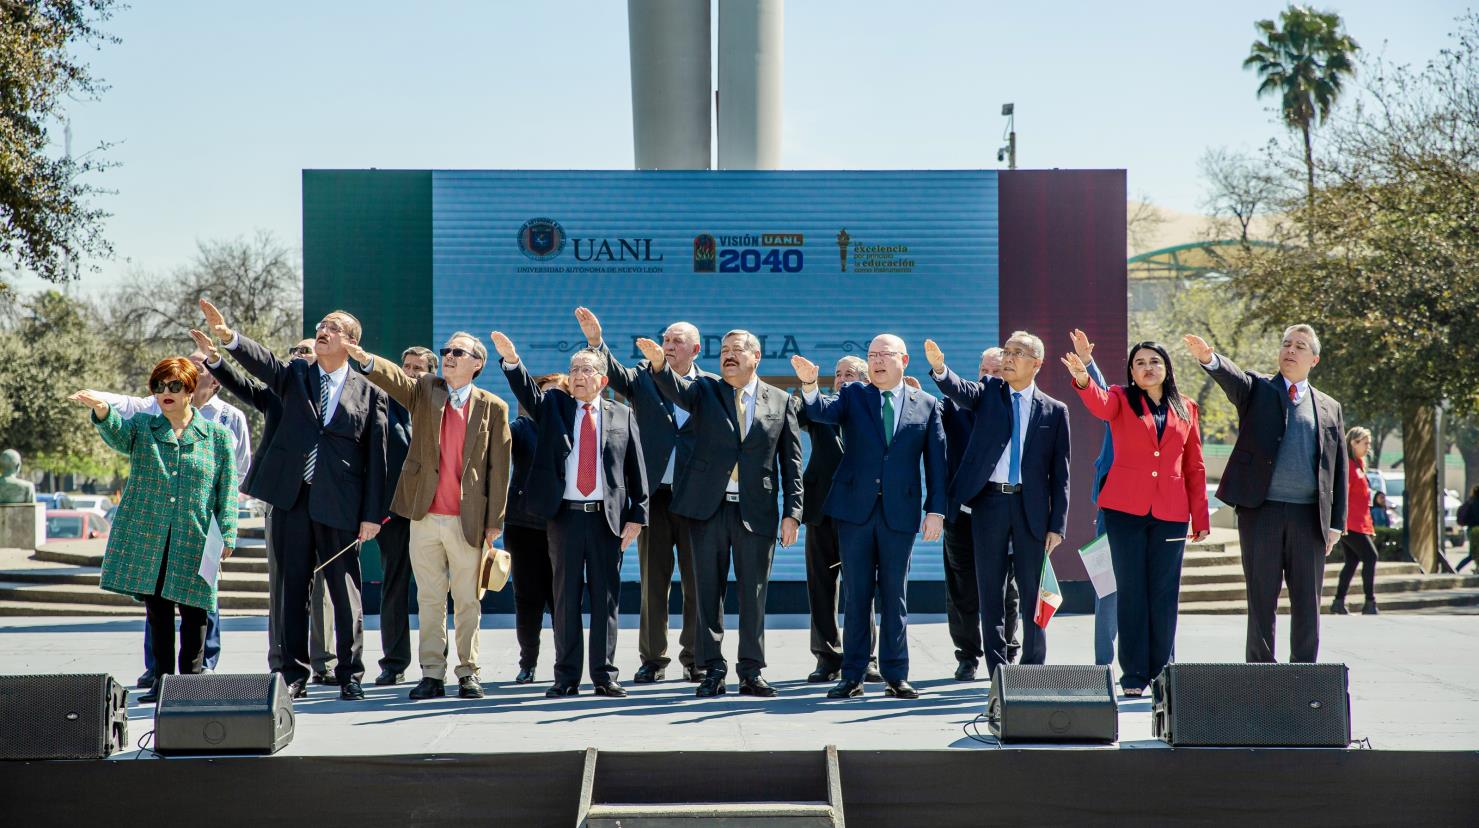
(541, 239)
(705, 253)
(616, 250)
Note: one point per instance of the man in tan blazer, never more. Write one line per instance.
(453, 487)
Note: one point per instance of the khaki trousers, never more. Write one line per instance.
(443, 562)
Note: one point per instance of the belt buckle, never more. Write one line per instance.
(591, 506)
(732, 497)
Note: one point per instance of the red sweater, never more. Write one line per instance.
(1358, 502)
(448, 497)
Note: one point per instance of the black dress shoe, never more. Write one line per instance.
(525, 676)
(695, 674)
(965, 671)
(351, 691)
(151, 695)
(146, 680)
(901, 690)
(823, 674)
(562, 690)
(1014, 653)
(1338, 608)
(872, 676)
(428, 688)
(712, 685)
(647, 674)
(614, 690)
(846, 689)
(756, 686)
(298, 689)
(1369, 608)
(389, 678)
(326, 677)
(468, 688)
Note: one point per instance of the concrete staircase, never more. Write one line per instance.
(1212, 583)
(62, 579)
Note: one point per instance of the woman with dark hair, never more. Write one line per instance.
(1381, 515)
(1359, 540)
(527, 543)
(182, 474)
(1156, 484)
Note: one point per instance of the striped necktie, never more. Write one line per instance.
(323, 405)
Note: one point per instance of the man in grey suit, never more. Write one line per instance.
(1286, 476)
(665, 446)
(746, 451)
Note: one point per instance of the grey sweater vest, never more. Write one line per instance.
(1294, 479)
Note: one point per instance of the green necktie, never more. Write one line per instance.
(888, 417)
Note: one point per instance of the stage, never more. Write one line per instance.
(1414, 704)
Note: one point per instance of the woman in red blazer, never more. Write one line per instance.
(1359, 540)
(1156, 485)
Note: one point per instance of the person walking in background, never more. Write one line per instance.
(182, 475)
(1359, 540)
(1468, 517)
(526, 539)
(1156, 484)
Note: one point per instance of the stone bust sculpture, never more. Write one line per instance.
(13, 489)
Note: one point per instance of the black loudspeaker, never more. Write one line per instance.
(1252, 705)
(1053, 703)
(222, 713)
(62, 717)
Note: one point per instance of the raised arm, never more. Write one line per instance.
(526, 391)
(127, 406)
(257, 360)
(385, 374)
(1236, 383)
(680, 391)
(622, 378)
(1099, 401)
(117, 432)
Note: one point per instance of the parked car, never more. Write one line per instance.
(1394, 483)
(54, 500)
(95, 503)
(76, 524)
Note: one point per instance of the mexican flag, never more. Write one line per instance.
(1049, 597)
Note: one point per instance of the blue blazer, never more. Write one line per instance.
(1044, 457)
(869, 468)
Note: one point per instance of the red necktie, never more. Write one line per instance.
(1294, 393)
(585, 480)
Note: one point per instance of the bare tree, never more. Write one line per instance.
(1143, 221)
(1239, 189)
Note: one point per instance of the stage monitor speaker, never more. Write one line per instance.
(223, 713)
(1052, 703)
(62, 716)
(1252, 705)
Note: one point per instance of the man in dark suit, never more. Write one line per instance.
(589, 483)
(1286, 477)
(1014, 477)
(823, 560)
(746, 450)
(877, 503)
(332, 432)
(666, 443)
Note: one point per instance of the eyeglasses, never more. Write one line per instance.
(582, 370)
(174, 386)
(300, 350)
(459, 353)
(884, 354)
(330, 326)
(1017, 353)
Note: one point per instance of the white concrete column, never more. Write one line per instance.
(751, 63)
(672, 70)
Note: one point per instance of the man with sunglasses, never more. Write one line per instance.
(208, 402)
(453, 488)
(324, 474)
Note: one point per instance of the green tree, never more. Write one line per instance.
(46, 223)
(1304, 63)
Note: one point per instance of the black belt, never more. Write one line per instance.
(1003, 488)
(583, 505)
(664, 487)
(732, 497)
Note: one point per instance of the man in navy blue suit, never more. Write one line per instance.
(1014, 476)
(877, 503)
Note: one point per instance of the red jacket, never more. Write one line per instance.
(1358, 498)
(1166, 479)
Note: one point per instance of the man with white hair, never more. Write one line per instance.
(1287, 478)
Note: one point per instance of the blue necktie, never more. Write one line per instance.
(1014, 464)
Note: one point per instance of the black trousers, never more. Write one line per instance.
(300, 543)
(963, 597)
(585, 557)
(664, 534)
(1283, 542)
(823, 577)
(159, 616)
(534, 587)
(395, 594)
(715, 542)
(1147, 555)
(1359, 550)
(1006, 549)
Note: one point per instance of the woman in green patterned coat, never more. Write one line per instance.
(182, 473)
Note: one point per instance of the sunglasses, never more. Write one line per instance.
(173, 386)
(300, 350)
(459, 353)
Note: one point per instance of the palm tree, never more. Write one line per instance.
(1306, 64)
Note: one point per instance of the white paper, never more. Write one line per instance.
(1099, 565)
(210, 557)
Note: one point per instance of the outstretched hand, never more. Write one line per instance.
(89, 399)
(216, 322)
(806, 370)
(1076, 368)
(589, 325)
(505, 347)
(652, 352)
(205, 344)
(1082, 347)
(934, 356)
(357, 354)
(1199, 348)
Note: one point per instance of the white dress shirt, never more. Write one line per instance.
(1002, 472)
(748, 395)
(680, 416)
(572, 463)
(215, 410)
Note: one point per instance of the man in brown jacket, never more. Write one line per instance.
(453, 487)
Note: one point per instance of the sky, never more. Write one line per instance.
(215, 109)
